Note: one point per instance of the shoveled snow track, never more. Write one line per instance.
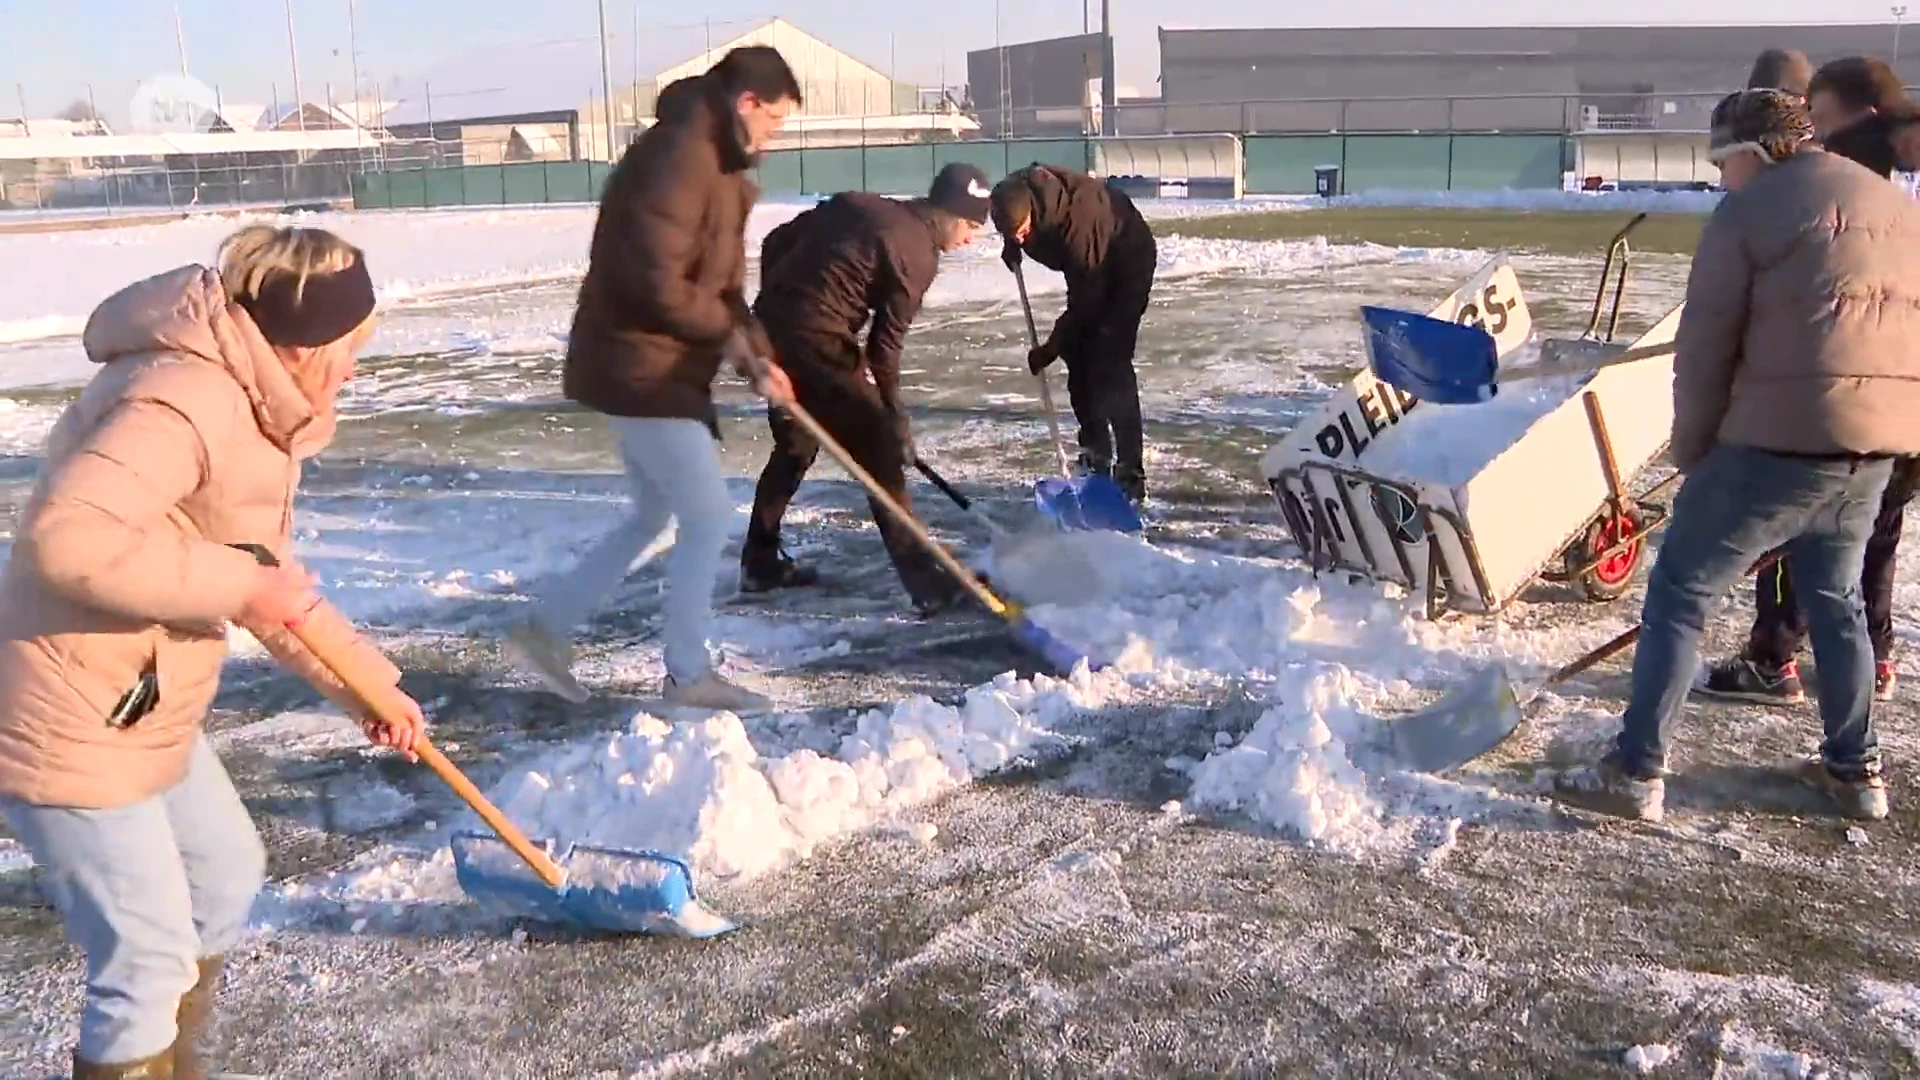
(1063, 921)
(1058, 921)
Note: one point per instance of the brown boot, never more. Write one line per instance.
(195, 1022)
(157, 1067)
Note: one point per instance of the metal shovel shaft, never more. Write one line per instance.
(1581, 367)
(959, 500)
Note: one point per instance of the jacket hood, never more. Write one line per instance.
(1050, 198)
(185, 313)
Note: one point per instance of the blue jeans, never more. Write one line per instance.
(674, 468)
(147, 890)
(1738, 505)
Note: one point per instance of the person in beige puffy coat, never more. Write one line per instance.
(114, 606)
(1796, 379)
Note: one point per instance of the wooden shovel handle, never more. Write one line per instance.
(912, 524)
(1628, 637)
(382, 699)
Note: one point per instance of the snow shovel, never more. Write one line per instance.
(610, 889)
(1058, 654)
(1088, 502)
(1479, 715)
(1036, 562)
(1453, 364)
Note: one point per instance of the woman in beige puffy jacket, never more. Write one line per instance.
(212, 387)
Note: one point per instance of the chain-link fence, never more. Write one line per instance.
(284, 177)
(187, 181)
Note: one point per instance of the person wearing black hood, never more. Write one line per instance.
(1093, 235)
(1849, 100)
(661, 307)
(823, 274)
(1856, 104)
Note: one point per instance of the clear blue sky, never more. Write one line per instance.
(54, 51)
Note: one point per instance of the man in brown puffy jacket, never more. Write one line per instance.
(1796, 378)
(1853, 103)
(660, 308)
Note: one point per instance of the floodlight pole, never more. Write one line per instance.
(606, 82)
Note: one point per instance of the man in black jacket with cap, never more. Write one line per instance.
(1093, 235)
(822, 276)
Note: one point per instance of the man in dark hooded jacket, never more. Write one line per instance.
(1855, 104)
(823, 275)
(1094, 236)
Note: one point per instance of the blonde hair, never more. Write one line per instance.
(258, 254)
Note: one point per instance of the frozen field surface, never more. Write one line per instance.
(945, 864)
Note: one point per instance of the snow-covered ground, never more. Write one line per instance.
(929, 836)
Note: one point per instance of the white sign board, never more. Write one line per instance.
(1362, 417)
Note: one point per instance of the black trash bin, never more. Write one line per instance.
(1326, 181)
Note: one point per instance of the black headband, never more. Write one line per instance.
(328, 307)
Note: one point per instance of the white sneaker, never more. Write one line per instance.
(710, 691)
(543, 653)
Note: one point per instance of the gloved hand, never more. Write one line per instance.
(1010, 254)
(1042, 355)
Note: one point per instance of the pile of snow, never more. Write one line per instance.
(740, 799)
(702, 791)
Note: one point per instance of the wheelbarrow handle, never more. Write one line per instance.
(379, 698)
(1630, 636)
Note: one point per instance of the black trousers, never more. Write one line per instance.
(1779, 626)
(849, 406)
(1100, 379)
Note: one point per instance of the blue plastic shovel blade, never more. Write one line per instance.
(1060, 656)
(1432, 359)
(1087, 503)
(623, 892)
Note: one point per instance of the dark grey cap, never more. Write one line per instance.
(961, 190)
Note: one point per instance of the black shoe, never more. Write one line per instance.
(1740, 679)
(1132, 482)
(765, 573)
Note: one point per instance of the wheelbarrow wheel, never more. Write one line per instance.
(1610, 577)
